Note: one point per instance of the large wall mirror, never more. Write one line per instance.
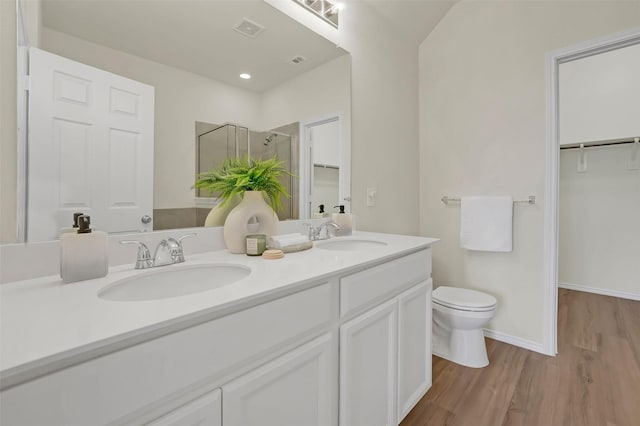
(158, 85)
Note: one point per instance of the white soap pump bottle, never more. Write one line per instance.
(321, 213)
(343, 220)
(83, 254)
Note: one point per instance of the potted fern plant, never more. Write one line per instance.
(256, 182)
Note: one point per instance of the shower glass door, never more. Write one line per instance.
(264, 145)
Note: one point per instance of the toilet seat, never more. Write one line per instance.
(463, 299)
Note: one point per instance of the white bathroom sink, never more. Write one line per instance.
(173, 281)
(350, 244)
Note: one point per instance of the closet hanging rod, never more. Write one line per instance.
(603, 143)
(531, 200)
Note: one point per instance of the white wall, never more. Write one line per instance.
(482, 130)
(181, 99)
(600, 97)
(8, 119)
(599, 227)
(315, 94)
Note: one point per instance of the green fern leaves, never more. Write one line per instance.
(237, 175)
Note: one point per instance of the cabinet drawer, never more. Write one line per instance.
(148, 376)
(381, 282)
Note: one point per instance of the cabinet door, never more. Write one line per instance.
(414, 346)
(368, 368)
(297, 389)
(204, 411)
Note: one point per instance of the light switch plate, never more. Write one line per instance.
(371, 196)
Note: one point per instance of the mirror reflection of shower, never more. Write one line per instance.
(216, 143)
(269, 138)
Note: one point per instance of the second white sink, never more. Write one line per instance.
(173, 281)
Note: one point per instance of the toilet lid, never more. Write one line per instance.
(463, 298)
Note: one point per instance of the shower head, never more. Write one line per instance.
(269, 138)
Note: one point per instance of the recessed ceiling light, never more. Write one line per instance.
(245, 76)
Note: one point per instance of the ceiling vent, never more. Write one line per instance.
(249, 28)
(298, 60)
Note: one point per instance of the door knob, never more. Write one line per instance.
(145, 219)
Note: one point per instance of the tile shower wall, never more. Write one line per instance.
(179, 218)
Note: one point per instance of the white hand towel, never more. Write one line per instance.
(287, 240)
(486, 223)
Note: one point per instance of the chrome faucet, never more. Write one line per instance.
(315, 233)
(167, 252)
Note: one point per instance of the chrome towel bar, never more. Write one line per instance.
(531, 200)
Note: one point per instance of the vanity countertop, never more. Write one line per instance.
(47, 325)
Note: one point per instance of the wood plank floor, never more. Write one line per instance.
(594, 379)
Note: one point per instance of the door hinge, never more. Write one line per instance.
(27, 83)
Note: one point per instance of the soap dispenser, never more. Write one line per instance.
(83, 254)
(73, 228)
(321, 213)
(343, 220)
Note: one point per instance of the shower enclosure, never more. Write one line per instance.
(232, 140)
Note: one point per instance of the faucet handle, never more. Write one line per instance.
(175, 246)
(143, 260)
(313, 232)
(325, 226)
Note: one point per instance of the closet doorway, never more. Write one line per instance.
(599, 196)
(325, 163)
(592, 172)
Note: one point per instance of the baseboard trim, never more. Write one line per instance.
(515, 341)
(604, 292)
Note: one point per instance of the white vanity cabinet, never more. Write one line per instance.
(344, 348)
(414, 346)
(144, 382)
(203, 411)
(385, 352)
(367, 367)
(296, 389)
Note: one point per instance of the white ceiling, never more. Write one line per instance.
(414, 18)
(197, 36)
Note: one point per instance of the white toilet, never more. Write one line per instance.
(458, 317)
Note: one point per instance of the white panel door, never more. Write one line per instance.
(203, 411)
(368, 368)
(90, 148)
(326, 143)
(325, 162)
(297, 389)
(414, 346)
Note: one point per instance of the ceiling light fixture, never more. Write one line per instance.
(245, 76)
(327, 10)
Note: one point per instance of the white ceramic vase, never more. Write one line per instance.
(219, 213)
(253, 205)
